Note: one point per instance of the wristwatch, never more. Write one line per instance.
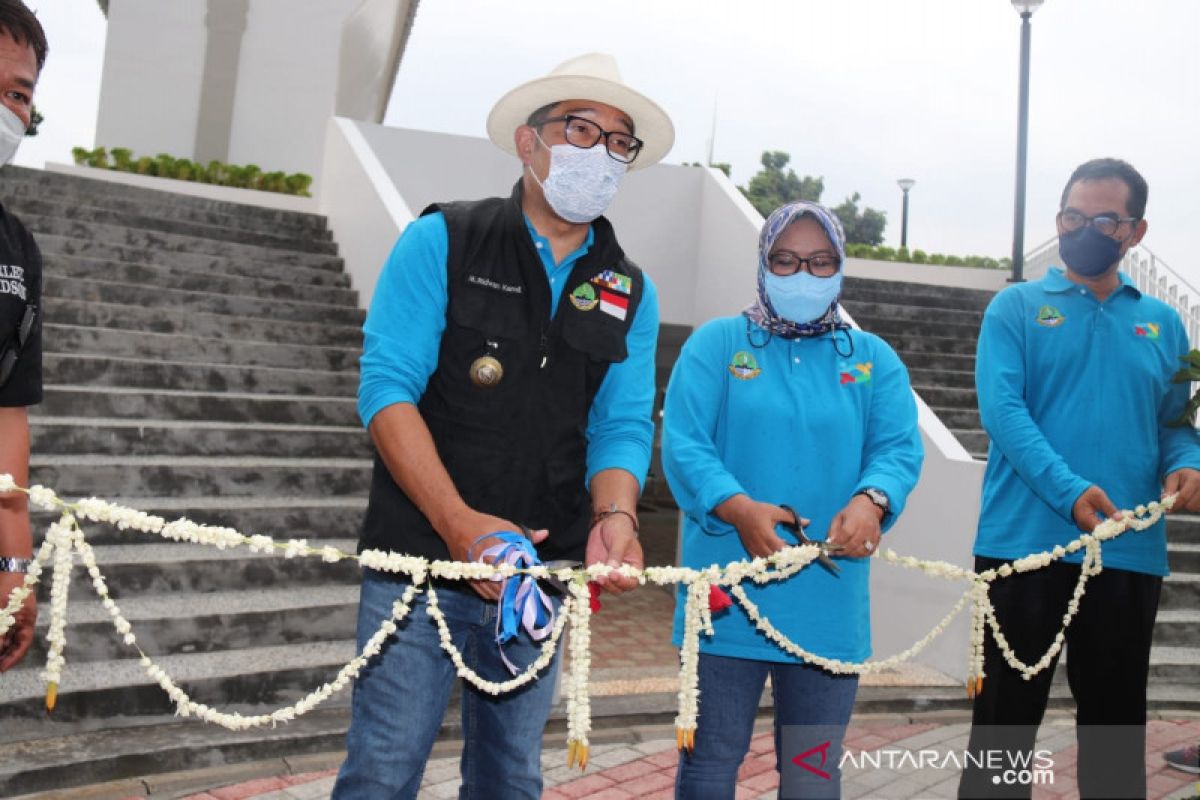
(878, 497)
(13, 564)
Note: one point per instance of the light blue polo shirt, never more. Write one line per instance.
(1075, 392)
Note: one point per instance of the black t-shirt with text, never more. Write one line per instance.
(20, 286)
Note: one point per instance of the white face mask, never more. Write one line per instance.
(12, 132)
(581, 183)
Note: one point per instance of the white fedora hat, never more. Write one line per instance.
(593, 76)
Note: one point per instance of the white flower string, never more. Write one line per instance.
(575, 682)
(64, 538)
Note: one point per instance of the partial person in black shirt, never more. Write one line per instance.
(22, 54)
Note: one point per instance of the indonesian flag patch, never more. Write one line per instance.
(614, 304)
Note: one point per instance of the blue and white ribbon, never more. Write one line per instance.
(522, 601)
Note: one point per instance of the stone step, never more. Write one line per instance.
(885, 327)
(181, 623)
(228, 680)
(1178, 627)
(975, 441)
(92, 314)
(151, 374)
(174, 242)
(1183, 528)
(90, 189)
(1179, 664)
(299, 225)
(100, 257)
(146, 220)
(947, 396)
(285, 517)
(958, 418)
(205, 476)
(139, 437)
(1180, 590)
(75, 400)
(917, 342)
(132, 570)
(1184, 558)
(896, 310)
(195, 349)
(951, 378)
(916, 294)
(178, 301)
(169, 277)
(940, 362)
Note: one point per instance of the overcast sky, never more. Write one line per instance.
(860, 92)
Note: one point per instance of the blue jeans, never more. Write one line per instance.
(810, 705)
(400, 698)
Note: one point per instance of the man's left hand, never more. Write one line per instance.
(856, 528)
(1186, 482)
(613, 541)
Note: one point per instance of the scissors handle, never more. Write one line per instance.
(823, 556)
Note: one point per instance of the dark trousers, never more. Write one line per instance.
(1108, 665)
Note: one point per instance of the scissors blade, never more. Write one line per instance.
(823, 556)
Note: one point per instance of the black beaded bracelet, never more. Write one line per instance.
(598, 516)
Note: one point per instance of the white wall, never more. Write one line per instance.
(153, 62)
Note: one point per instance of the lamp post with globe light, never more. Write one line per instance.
(905, 184)
(1025, 8)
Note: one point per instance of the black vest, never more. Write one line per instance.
(517, 449)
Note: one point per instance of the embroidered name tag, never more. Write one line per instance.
(488, 283)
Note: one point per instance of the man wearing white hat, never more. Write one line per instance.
(507, 382)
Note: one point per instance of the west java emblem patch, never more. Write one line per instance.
(1050, 317)
(584, 297)
(743, 366)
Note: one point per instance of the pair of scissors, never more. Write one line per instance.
(553, 566)
(826, 548)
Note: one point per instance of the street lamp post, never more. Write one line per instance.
(905, 184)
(1025, 8)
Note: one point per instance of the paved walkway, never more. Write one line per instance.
(646, 769)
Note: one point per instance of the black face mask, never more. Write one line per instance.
(1088, 252)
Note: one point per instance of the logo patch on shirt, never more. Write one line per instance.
(614, 304)
(584, 297)
(743, 366)
(615, 281)
(1147, 329)
(859, 373)
(1050, 317)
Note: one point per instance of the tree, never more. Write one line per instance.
(865, 227)
(771, 187)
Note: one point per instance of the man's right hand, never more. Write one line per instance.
(16, 640)
(462, 532)
(755, 523)
(1090, 505)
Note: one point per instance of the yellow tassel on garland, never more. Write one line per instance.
(577, 753)
(51, 696)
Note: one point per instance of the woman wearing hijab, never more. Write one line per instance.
(786, 407)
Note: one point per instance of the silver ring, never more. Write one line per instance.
(869, 546)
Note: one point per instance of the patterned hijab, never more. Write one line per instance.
(760, 312)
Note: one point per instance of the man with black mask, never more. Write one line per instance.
(1073, 374)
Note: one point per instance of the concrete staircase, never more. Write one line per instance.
(201, 361)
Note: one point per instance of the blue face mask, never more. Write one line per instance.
(802, 297)
(1088, 252)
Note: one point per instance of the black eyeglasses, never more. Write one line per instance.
(1072, 220)
(585, 134)
(12, 350)
(820, 265)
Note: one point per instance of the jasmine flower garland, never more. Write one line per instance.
(64, 538)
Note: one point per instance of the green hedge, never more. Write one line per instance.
(216, 173)
(883, 253)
